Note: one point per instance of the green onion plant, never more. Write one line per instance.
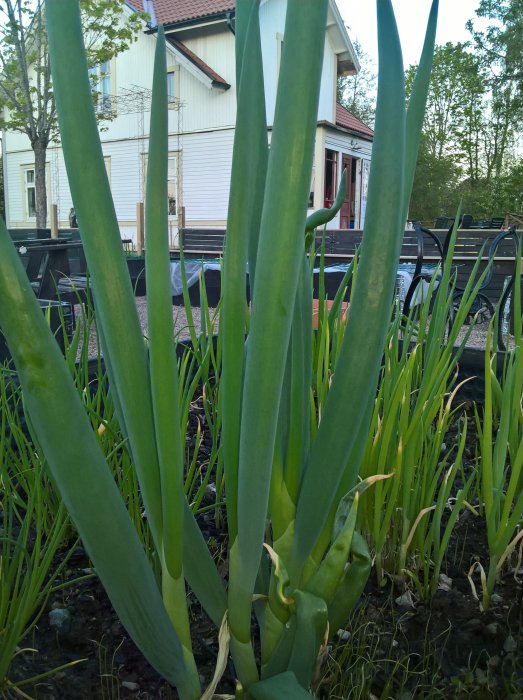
(500, 430)
(295, 556)
(33, 528)
(411, 417)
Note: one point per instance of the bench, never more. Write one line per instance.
(204, 242)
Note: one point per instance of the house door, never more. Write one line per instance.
(346, 206)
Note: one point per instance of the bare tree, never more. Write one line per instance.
(26, 93)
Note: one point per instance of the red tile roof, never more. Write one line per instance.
(209, 72)
(172, 11)
(348, 121)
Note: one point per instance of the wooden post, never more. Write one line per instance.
(54, 221)
(182, 218)
(139, 228)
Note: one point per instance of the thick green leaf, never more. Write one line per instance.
(163, 360)
(352, 584)
(124, 347)
(115, 307)
(79, 470)
(277, 271)
(243, 221)
(417, 102)
(311, 626)
(341, 428)
(299, 379)
(282, 687)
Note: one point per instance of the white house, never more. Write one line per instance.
(202, 90)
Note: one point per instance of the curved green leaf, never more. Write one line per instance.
(79, 470)
(281, 687)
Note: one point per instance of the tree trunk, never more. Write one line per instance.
(40, 150)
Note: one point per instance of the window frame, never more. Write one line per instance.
(104, 102)
(176, 155)
(24, 169)
(25, 188)
(173, 98)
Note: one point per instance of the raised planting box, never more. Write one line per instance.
(61, 320)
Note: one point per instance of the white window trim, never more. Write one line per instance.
(175, 71)
(172, 154)
(23, 184)
(107, 163)
(279, 47)
(96, 87)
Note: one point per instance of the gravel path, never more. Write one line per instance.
(477, 337)
(181, 323)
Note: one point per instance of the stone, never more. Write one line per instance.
(406, 600)
(494, 661)
(473, 625)
(129, 685)
(510, 645)
(444, 583)
(60, 620)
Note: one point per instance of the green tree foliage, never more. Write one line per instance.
(357, 93)
(26, 95)
(500, 42)
(435, 184)
(471, 127)
(454, 104)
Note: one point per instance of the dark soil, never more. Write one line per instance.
(107, 664)
(451, 648)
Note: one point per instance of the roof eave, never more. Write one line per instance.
(347, 59)
(206, 78)
(220, 86)
(195, 22)
(345, 130)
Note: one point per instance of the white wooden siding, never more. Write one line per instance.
(272, 24)
(339, 141)
(207, 160)
(204, 178)
(202, 131)
(202, 107)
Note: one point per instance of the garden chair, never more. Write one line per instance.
(497, 222)
(466, 221)
(420, 280)
(483, 309)
(443, 222)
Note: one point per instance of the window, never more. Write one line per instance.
(107, 163)
(171, 86)
(279, 50)
(331, 177)
(29, 194)
(102, 85)
(313, 185)
(28, 186)
(172, 184)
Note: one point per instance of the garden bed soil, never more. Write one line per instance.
(452, 643)
(453, 649)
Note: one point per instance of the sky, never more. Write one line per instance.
(411, 16)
